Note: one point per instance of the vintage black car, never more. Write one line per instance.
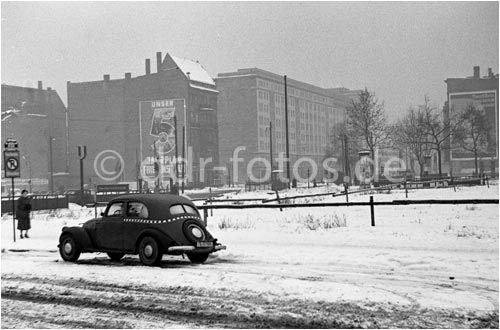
(146, 224)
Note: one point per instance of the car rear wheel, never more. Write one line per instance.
(115, 256)
(68, 249)
(149, 251)
(198, 258)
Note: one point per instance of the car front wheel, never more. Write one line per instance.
(69, 249)
(198, 258)
(149, 252)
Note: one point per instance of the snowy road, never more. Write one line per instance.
(420, 267)
(88, 299)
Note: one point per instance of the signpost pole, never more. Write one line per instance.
(13, 212)
(12, 170)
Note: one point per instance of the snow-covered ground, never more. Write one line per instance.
(430, 256)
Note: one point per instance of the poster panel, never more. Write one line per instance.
(157, 138)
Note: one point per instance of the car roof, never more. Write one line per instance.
(155, 202)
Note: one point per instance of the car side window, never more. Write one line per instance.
(115, 209)
(176, 209)
(190, 210)
(182, 209)
(137, 209)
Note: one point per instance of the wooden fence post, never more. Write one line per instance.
(372, 211)
(205, 216)
(346, 189)
(406, 190)
(279, 202)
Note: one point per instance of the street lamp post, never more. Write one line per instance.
(51, 164)
(28, 162)
(270, 130)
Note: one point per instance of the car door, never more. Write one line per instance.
(109, 230)
(136, 212)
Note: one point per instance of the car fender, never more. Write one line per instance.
(80, 235)
(163, 239)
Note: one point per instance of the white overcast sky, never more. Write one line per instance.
(399, 50)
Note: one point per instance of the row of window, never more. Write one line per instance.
(139, 210)
(280, 88)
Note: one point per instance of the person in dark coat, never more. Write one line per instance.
(23, 214)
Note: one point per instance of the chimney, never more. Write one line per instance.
(106, 77)
(158, 61)
(490, 72)
(49, 88)
(128, 75)
(476, 72)
(40, 85)
(148, 66)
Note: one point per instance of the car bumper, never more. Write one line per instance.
(190, 248)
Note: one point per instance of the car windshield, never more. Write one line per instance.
(182, 209)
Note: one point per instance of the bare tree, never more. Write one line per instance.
(366, 121)
(472, 134)
(438, 129)
(410, 133)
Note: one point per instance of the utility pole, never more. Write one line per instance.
(176, 169)
(51, 165)
(183, 164)
(286, 132)
(156, 167)
(271, 143)
(82, 153)
(346, 157)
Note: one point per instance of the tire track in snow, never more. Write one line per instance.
(189, 307)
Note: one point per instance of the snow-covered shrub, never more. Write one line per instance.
(328, 221)
(229, 223)
(471, 208)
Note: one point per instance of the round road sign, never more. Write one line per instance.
(12, 163)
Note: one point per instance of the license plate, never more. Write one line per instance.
(204, 244)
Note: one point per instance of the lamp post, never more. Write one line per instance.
(286, 133)
(51, 164)
(28, 162)
(270, 130)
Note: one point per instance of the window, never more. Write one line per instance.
(182, 209)
(115, 209)
(137, 209)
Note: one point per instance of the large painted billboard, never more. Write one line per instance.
(158, 120)
(485, 101)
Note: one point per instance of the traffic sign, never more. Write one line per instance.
(10, 143)
(11, 163)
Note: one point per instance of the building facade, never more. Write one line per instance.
(140, 121)
(251, 105)
(481, 92)
(36, 118)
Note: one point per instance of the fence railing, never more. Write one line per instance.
(371, 204)
(38, 202)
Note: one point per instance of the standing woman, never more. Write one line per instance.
(23, 214)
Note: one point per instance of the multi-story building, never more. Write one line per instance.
(482, 92)
(140, 121)
(251, 101)
(36, 118)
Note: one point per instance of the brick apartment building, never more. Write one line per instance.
(36, 118)
(251, 99)
(483, 93)
(134, 118)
